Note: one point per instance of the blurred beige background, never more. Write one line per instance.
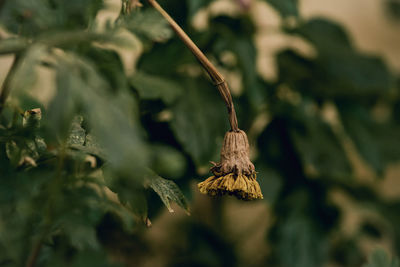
(370, 26)
(367, 22)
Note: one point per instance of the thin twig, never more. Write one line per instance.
(20, 44)
(5, 88)
(215, 75)
(35, 254)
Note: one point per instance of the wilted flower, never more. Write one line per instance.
(235, 174)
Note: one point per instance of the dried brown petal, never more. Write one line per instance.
(241, 186)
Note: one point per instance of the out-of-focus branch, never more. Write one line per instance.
(35, 254)
(17, 45)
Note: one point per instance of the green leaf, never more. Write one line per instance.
(108, 64)
(33, 17)
(110, 116)
(64, 105)
(119, 134)
(317, 145)
(78, 218)
(132, 198)
(335, 75)
(300, 244)
(131, 193)
(356, 75)
(77, 133)
(81, 235)
(156, 87)
(339, 70)
(379, 258)
(148, 23)
(200, 120)
(298, 237)
(168, 192)
(326, 35)
(300, 73)
(285, 7)
(91, 147)
(377, 143)
(174, 54)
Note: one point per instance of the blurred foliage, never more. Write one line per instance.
(393, 8)
(380, 258)
(82, 173)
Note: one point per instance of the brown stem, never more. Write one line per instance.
(215, 75)
(5, 88)
(35, 254)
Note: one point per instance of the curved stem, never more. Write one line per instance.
(212, 71)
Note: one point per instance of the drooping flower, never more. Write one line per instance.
(234, 174)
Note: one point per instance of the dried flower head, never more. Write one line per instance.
(235, 174)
